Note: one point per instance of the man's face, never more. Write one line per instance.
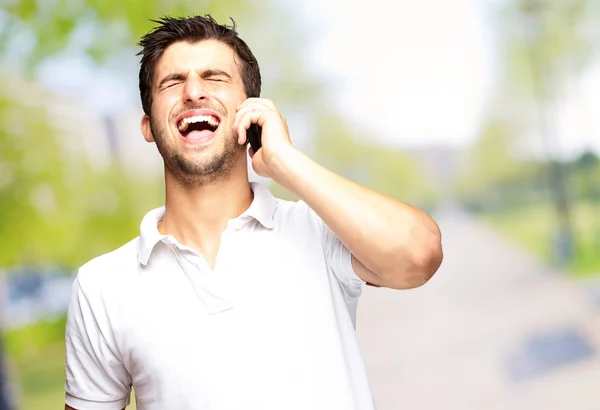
(196, 89)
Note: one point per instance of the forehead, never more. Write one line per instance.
(199, 56)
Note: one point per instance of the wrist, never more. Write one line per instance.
(287, 167)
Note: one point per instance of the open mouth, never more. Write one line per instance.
(198, 126)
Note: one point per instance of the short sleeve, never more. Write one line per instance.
(339, 260)
(96, 379)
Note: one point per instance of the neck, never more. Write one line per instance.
(196, 216)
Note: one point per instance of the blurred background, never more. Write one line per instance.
(482, 112)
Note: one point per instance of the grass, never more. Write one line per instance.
(534, 227)
(36, 363)
(36, 355)
(41, 380)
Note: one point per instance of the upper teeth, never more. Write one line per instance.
(212, 121)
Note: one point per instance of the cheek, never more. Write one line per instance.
(165, 103)
(229, 98)
(161, 117)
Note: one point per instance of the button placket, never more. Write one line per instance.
(228, 244)
(204, 282)
(210, 286)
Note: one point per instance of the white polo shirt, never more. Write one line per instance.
(272, 327)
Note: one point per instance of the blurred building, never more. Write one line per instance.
(440, 164)
(84, 131)
(32, 293)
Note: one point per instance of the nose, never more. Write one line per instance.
(194, 89)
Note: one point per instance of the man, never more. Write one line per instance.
(232, 299)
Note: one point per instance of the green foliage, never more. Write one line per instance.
(32, 193)
(495, 178)
(584, 177)
(52, 202)
(544, 42)
(105, 29)
(349, 150)
(37, 357)
(30, 342)
(492, 157)
(115, 24)
(533, 226)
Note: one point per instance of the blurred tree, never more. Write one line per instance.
(587, 161)
(584, 177)
(494, 160)
(101, 28)
(544, 45)
(349, 149)
(109, 29)
(51, 201)
(31, 186)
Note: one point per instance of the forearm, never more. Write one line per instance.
(391, 238)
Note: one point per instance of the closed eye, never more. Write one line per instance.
(169, 85)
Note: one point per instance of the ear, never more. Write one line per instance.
(146, 129)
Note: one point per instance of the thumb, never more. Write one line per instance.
(258, 163)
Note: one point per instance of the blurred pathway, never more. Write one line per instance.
(494, 329)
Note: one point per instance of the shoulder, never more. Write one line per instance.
(297, 214)
(109, 270)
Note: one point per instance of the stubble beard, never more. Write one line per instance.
(188, 172)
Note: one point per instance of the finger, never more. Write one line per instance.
(241, 133)
(238, 116)
(252, 117)
(248, 118)
(240, 113)
(257, 163)
(257, 106)
(246, 109)
(261, 101)
(253, 107)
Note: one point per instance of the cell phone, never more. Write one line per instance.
(253, 135)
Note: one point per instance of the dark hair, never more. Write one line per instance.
(193, 29)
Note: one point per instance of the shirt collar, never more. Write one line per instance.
(262, 209)
(263, 206)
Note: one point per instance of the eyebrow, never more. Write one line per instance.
(215, 73)
(205, 74)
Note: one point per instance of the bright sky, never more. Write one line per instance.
(417, 72)
(421, 71)
(418, 69)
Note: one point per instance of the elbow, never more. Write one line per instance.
(415, 263)
(426, 263)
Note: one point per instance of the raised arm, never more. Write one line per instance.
(393, 244)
